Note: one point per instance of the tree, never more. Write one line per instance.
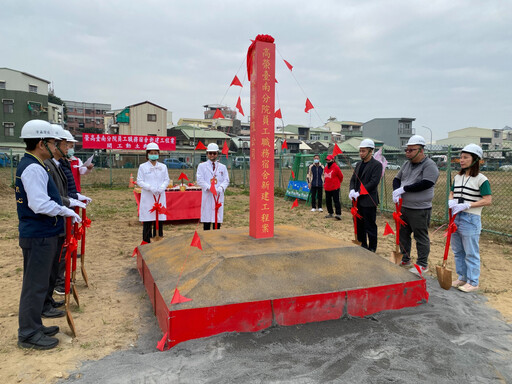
(57, 100)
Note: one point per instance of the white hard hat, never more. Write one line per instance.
(474, 149)
(38, 129)
(69, 137)
(367, 143)
(212, 147)
(152, 147)
(416, 140)
(60, 131)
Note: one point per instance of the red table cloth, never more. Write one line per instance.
(184, 205)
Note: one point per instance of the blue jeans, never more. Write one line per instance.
(465, 247)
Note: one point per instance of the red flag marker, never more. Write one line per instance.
(309, 106)
(236, 81)
(336, 150)
(183, 176)
(276, 81)
(218, 114)
(177, 298)
(295, 203)
(290, 67)
(362, 190)
(200, 145)
(135, 249)
(239, 106)
(225, 149)
(277, 114)
(388, 230)
(293, 175)
(284, 145)
(196, 241)
(161, 344)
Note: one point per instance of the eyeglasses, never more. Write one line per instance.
(211, 153)
(411, 150)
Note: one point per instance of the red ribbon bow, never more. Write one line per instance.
(354, 213)
(86, 223)
(265, 38)
(398, 219)
(452, 227)
(72, 246)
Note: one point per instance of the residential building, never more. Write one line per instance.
(24, 97)
(299, 131)
(55, 113)
(86, 117)
(346, 128)
(144, 119)
(188, 136)
(392, 131)
(228, 126)
(210, 110)
(487, 138)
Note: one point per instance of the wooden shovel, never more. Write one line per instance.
(74, 257)
(354, 215)
(82, 249)
(444, 275)
(396, 255)
(67, 283)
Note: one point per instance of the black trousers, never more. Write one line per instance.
(331, 196)
(54, 275)
(206, 226)
(316, 194)
(149, 230)
(38, 257)
(367, 227)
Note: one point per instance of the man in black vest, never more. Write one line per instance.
(367, 172)
(40, 214)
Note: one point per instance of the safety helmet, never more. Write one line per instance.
(38, 129)
(367, 143)
(69, 137)
(60, 131)
(474, 149)
(416, 140)
(152, 147)
(212, 147)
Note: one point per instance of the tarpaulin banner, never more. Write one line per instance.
(129, 142)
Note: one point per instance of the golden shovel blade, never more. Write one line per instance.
(396, 257)
(69, 318)
(157, 238)
(444, 276)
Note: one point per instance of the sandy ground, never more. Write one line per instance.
(453, 333)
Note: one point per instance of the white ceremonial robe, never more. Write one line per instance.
(204, 175)
(148, 177)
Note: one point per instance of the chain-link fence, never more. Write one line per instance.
(115, 170)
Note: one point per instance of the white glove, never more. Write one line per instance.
(154, 190)
(397, 193)
(460, 207)
(452, 203)
(353, 194)
(76, 203)
(84, 198)
(66, 212)
(220, 189)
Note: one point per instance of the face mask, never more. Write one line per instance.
(71, 152)
(153, 157)
(316, 161)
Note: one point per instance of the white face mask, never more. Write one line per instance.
(71, 152)
(316, 161)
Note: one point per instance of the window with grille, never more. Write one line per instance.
(151, 117)
(8, 129)
(8, 105)
(32, 88)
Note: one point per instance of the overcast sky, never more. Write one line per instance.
(447, 63)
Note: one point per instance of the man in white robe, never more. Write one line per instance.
(208, 173)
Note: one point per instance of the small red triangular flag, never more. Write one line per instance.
(196, 241)
(309, 106)
(236, 81)
(218, 114)
(239, 106)
(290, 67)
(183, 176)
(200, 145)
(336, 150)
(388, 230)
(293, 175)
(362, 190)
(278, 115)
(295, 203)
(161, 344)
(177, 298)
(276, 81)
(135, 249)
(284, 145)
(225, 149)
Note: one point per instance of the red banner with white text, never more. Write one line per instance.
(127, 142)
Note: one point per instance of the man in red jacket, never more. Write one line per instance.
(332, 183)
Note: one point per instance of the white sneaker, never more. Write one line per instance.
(313, 209)
(320, 210)
(415, 271)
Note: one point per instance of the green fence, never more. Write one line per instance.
(115, 170)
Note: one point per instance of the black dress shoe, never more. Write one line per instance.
(53, 312)
(59, 303)
(50, 331)
(39, 341)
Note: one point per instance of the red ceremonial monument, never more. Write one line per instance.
(233, 281)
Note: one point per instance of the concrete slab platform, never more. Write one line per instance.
(238, 283)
